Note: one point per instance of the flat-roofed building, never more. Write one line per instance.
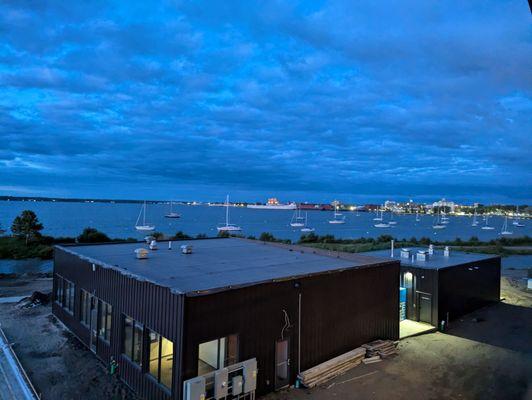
(223, 311)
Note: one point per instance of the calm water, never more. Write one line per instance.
(118, 220)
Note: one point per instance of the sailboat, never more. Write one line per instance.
(516, 219)
(377, 218)
(417, 216)
(338, 218)
(439, 224)
(172, 214)
(504, 229)
(228, 227)
(444, 218)
(486, 227)
(297, 219)
(475, 222)
(144, 226)
(307, 228)
(391, 221)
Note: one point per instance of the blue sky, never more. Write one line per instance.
(303, 100)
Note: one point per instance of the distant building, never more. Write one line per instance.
(444, 203)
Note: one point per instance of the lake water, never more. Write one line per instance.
(118, 221)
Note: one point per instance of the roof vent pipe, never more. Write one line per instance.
(169, 245)
(391, 249)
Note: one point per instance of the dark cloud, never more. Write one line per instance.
(307, 99)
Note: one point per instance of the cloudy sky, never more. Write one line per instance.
(303, 100)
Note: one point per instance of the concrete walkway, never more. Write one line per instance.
(14, 383)
(409, 328)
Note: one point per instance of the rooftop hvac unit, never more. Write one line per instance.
(422, 255)
(186, 249)
(405, 253)
(141, 253)
(153, 245)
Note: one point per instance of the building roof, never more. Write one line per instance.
(435, 261)
(218, 264)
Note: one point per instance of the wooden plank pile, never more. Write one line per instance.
(332, 368)
(381, 348)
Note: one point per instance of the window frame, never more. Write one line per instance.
(105, 318)
(160, 339)
(226, 359)
(129, 354)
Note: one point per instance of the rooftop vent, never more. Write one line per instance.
(422, 255)
(431, 249)
(153, 245)
(141, 253)
(186, 249)
(446, 252)
(405, 253)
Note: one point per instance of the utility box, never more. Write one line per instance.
(250, 375)
(236, 385)
(195, 389)
(221, 378)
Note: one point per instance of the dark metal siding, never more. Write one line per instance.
(465, 288)
(340, 311)
(425, 281)
(154, 306)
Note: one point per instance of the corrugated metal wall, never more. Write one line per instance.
(465, 288)
(340, 311)
(154, 306)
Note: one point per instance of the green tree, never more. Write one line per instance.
(27, 226)
(91, 235)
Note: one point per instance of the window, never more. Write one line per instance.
(85, 307)
(217, 354)
(132, 340)
(105, 314)
(65, 293)
(161, 357)
(59, 289)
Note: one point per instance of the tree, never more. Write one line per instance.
(91, 235)
(26, 225)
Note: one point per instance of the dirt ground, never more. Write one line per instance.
(487, 355)
(57, 364)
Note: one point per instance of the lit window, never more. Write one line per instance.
(217, 354)
(161, 358)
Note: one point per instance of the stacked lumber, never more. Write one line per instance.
(381, 348)
(332, 368)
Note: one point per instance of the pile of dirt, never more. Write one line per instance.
(36, 299)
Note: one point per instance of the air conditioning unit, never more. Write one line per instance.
(141, 253)
(186, 249)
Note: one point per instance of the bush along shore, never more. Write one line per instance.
(26, 241)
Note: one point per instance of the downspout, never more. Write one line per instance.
(299, 336)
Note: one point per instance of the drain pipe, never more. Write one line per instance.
(299, 336)
(391, 250)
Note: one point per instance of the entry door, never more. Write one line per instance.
(425, 307)
(282, 364)
(93, 323)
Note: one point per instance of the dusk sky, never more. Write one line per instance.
(312, 100)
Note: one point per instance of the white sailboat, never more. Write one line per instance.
(475, 222)
(307, 228)
(378, 218)
(438, 224)
(486, 227)
(228, 227)
(172, 214)
(381, 224)
(144, 226)
(417, 216)
(338, 218)
(297, 219)
(516, 219)
(504, 229)
(392, 221)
